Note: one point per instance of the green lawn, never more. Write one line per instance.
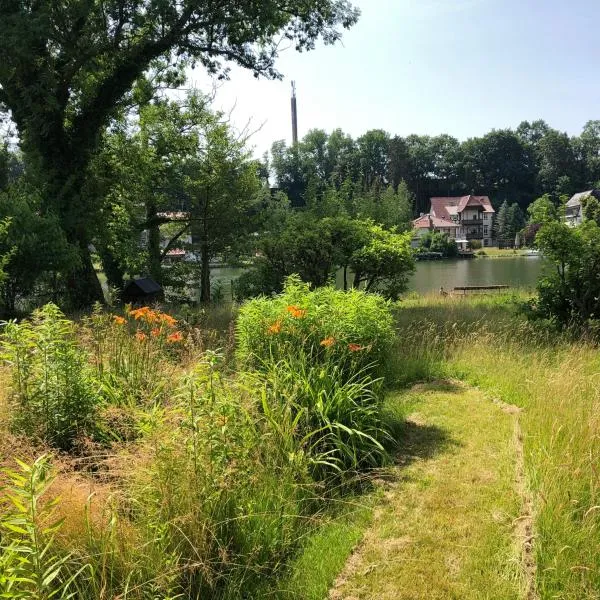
(446, 528)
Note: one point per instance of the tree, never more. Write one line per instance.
(388, 207)
(33, 249)
(515, 221)
(385, 263)
(434, 241)
(591, 209)
(499, 164)
(501, 221)
(588, 145)
(65, 67)
(373, 148)
(570, 295)
(222, 185)
(542, 211)
(141, 166)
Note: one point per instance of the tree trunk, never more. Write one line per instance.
(154, 253)
(345, 278)
(83, 285)
(204, 274)
(112, 269)
(357, 278)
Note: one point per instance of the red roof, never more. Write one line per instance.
(429, 221)
(440, 205)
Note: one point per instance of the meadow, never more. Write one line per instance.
(245, 455)
(487, 342)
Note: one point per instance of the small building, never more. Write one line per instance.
(143, 290)
(574, 207)
(463, 218)
(426, 223)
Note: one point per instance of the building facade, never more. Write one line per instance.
(574, 207)
(462, 218)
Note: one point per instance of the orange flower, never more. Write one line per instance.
(119, 320)
(140, 336)
(328, 341)
(155, 332)
(168, 320)
(296, 312)
(139, 313)
(275, 328)
(175, 337)
(355, 347)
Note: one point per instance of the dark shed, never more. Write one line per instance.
(142, 291)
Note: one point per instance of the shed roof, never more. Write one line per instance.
(429, 221)
(146, 284)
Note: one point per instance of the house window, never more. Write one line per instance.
(485, 230)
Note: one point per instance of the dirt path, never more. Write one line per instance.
(457, 520)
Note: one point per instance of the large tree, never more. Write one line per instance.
(65, 66)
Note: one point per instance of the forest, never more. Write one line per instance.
(516, 165)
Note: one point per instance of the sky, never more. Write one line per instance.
(461, 67)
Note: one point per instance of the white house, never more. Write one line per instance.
(463, 218)
(574, 208)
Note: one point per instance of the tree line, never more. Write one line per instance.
(517, 165)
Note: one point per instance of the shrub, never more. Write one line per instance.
(132, 354)
(214, 502)
(31, 568)
(352, 329)
(53, 393)
(321, 414)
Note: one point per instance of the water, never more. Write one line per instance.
(517, 272)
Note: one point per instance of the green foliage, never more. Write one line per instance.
(385, 263)
(542, 211)
(321, 413)
(53, 395)
(67, 70)
(435, 241)
(31, 567)
(316, 352)
(352, 329)
(6, 253)
(35, 245)
(570, 294)
(591, 209)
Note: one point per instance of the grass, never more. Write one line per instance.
(446, 528)
(485, 342)
(493, 252)
(204, 485)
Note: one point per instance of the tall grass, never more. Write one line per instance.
(555, 379)
(193, 480)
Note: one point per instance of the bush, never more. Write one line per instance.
(351, 329)
(475, 244)
(132, 352)
(53, 393)
(434, 241)
(332, 420)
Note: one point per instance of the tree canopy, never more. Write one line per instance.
(67, 67)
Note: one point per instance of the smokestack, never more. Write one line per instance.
(294, 115)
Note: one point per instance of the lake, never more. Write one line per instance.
(518, 272)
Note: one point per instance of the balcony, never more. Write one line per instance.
(474, 235)
(473, 222)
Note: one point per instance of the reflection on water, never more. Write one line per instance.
(517, 272)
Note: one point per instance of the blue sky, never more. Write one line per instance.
(460, 67)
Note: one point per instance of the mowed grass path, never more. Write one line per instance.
(447, 529)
